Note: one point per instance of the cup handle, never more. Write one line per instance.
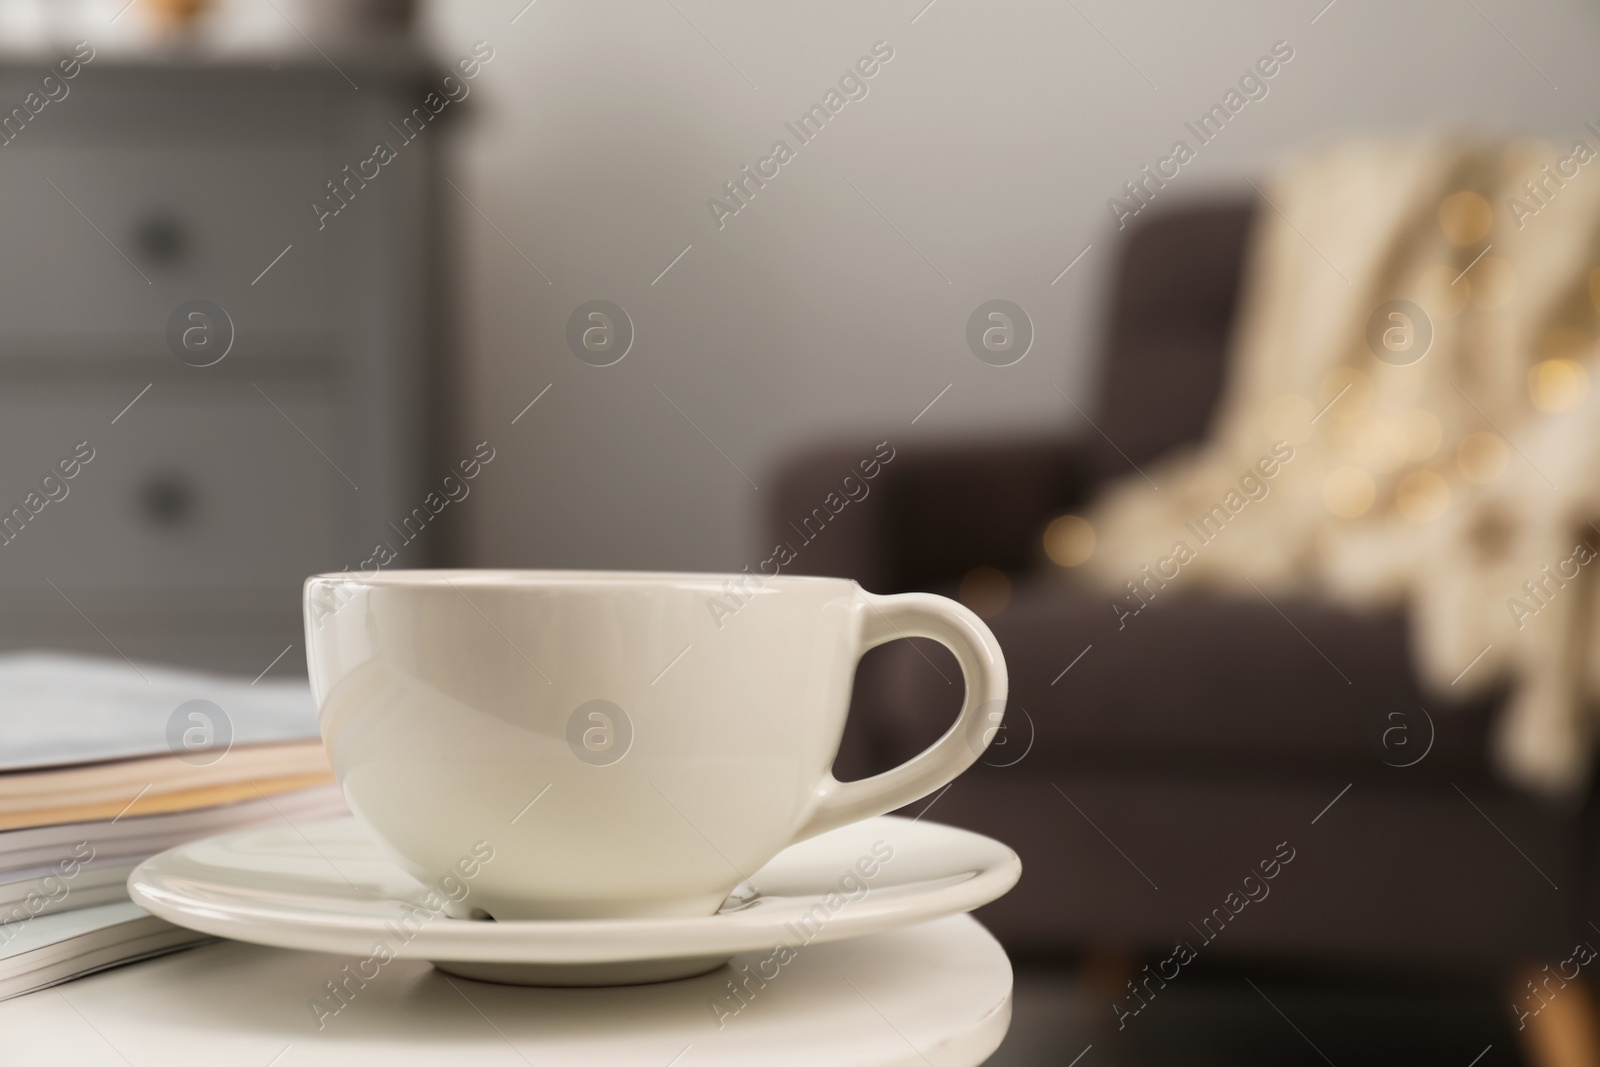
(983, 668)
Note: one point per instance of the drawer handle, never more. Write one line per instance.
(167, 500)
(162, 239)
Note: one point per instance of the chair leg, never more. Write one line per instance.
(1107, 970)
(1563, 1031)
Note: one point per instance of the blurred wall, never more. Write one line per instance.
(978, 166)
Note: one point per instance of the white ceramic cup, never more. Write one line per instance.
(627, 744)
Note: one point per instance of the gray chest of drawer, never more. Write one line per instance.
(147, 188)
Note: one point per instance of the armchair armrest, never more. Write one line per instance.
(920, 516)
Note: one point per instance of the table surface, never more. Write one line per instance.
(938, 994)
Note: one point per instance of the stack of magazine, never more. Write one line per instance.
(103, 764)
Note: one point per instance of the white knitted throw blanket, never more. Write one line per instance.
(1457, 476)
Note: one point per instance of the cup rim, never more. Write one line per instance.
(423, 578)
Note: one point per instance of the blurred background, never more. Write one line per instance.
(277, 339)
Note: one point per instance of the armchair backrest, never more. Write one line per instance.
(1172, 308)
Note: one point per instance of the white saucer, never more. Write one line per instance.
(328, 887)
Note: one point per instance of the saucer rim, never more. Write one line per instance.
(577, 941)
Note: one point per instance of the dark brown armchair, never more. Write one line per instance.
(1143, 785)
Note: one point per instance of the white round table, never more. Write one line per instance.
(935, 994)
